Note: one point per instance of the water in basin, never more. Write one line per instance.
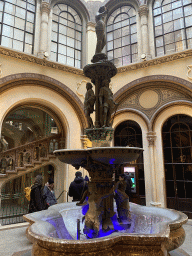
(66, 224)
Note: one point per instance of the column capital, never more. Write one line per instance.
(45, 7)
(143, 10)
(151, 137)
(84, 141)
(91, 26)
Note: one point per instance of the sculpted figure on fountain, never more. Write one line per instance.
(122, 199)
(100, 29)
(89, 104)
(107, 104)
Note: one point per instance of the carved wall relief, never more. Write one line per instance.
(151, 97)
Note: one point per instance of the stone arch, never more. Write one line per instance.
(24, 79)
(141, 82)
(167, 106)
(80, 6)
(113, 4)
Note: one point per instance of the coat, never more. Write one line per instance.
(37, 200)
(77, 188)
(49, 196)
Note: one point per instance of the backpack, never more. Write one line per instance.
(27, 191)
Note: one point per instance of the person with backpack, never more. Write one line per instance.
(48, 193)
(37, 200)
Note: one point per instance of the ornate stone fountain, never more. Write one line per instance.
(150, 231)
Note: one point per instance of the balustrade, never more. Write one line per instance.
(28, 154)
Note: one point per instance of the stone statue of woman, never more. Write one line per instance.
(100, 29)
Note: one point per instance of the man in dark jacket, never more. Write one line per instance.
(129, 184)
(37, 202)
(77, 187)
(49, 193)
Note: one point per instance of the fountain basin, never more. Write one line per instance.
(153, 231)
(104, 155)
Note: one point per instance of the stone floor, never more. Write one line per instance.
(13, 241)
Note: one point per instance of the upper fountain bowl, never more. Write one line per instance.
(104, 155)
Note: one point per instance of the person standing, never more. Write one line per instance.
(77, 187)
(37, 201)
(129, 184)
(122, 199)
(49, 193)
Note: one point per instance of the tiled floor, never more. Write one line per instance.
(13, 242)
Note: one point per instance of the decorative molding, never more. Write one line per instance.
(78, 86)
(130, 101)
(189, 71)
(156, 61)
(170, 94)
(143, 10)
(43, 62)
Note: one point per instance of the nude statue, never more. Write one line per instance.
(100, 29)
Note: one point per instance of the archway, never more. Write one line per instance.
(177, 148)
(128, 133)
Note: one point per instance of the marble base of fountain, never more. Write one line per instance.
(152, 231)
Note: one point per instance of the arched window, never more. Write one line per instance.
(17, 20)
(172, 26)
(177, 147)
(122, 36)
(66, 36)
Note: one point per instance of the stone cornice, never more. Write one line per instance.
(156, 61)
(43, 62)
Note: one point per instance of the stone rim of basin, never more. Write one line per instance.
(164, 236)
(106, 155)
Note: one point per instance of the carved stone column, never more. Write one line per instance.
(151, 137)
(45, 10)
(143, 13)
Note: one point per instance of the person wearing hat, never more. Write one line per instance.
(49, 193)
(77, 187)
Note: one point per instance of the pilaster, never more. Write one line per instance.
(151, 137)
(45, 10)
(143, 13)
(91, 41)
